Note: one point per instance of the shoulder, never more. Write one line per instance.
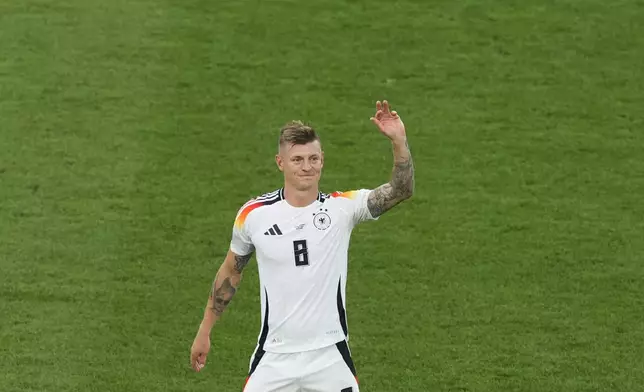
(253, 204)
(355, 203)
(350, 201)
(347, 195)
(266, 198)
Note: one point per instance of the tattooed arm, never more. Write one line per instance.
(401, 185)
(224, 287)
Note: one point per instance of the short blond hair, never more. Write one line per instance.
(296, 132)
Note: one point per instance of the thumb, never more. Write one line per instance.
(377, 122)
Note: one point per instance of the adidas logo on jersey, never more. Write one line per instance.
(273, 231)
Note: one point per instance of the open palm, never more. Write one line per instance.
(388, 121)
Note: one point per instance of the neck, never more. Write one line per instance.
(298, 198)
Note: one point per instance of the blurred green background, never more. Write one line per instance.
(132, 131)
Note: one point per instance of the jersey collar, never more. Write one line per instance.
(319, 198)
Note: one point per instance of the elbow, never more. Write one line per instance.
(402, 190)
(409, 191)
(406, 193)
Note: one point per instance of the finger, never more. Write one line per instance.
(385, 106)
(378, 106)
(200, 362)
(394, 113)
(378, 114)
(196, 365)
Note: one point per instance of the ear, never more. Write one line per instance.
(279, 162)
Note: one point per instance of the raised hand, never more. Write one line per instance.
(401, 185)
(388, 121)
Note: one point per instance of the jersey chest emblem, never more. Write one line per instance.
(321, 220)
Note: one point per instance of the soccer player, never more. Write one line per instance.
(301, 238)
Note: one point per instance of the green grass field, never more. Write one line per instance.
(132, 131)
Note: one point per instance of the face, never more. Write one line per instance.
(301, 164)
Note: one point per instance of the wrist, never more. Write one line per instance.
(204, 329)
(399, 145)
(400, 150)
(399, 141)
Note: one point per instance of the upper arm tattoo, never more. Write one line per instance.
(241, 262)
(401, 187)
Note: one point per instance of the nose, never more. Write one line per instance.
(307, 166)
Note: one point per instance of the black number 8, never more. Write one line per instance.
(301, 253)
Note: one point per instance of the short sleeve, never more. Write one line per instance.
(361, 211)
(241, 243)
(357, 205)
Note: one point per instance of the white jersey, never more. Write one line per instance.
(302, 261)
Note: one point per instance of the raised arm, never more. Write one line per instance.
(223, 289)
(401, 185)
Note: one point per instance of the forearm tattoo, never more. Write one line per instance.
(399, 188)
(222, 295)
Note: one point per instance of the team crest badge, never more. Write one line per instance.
(321, 220)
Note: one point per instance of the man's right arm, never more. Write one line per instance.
(223, 289)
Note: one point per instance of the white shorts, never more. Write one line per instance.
(329, 369)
